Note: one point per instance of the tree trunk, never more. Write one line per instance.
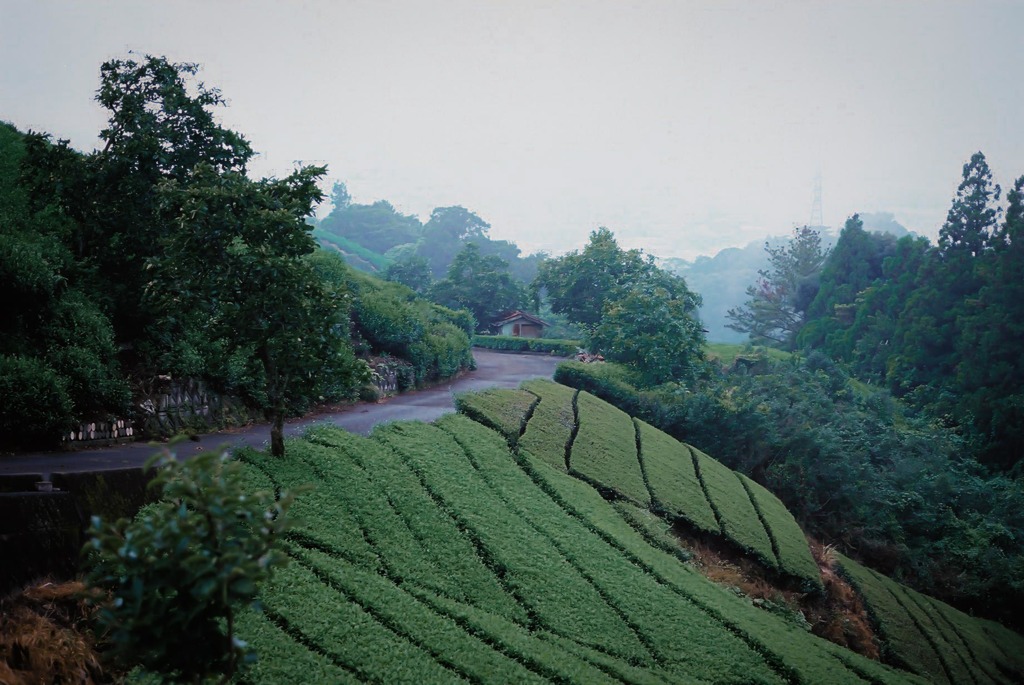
(277, 433)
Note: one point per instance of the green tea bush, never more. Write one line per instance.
(558, 664)
(811, 660)
(613, 383)
(177, 575)
(675, 489)
(322, 503)
(377, 261)
(502, 409)
(995, 649)
(730, 500)
(933, 639)
(605, 449)
(564, 348)
(443, 351)
(282, 659)
(464, 654)
(536, 571)
(903, 641)
(955, 659)
(552, 423)
(699, 646)
(346, 633)
(793, 550)
(441, 541)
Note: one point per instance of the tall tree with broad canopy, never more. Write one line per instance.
(778, 302)
(236, 262)
(445, 234)
(633, 312)
(579, 283)
(652, 326)
(481, 284)
(161, 125)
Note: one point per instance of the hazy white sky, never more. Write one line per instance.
(685, 127)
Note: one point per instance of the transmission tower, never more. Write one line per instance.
(816, 216)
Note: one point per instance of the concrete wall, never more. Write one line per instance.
(42, 533)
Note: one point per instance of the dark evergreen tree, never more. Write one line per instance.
(990, 373)
(777, 304)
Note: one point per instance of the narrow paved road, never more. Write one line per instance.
(494, 369)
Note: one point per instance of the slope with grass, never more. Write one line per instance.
(733, 507)
(437, 554)
(591, 439)
(502, 409)
(452, 553)
(552, 425)
(675, 489)
(605, 449)
(935, 640)
(788, 540)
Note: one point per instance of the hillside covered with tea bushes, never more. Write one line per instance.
(526, 539)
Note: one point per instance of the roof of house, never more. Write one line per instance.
(518, 315)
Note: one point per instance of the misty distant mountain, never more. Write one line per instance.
(722, 280)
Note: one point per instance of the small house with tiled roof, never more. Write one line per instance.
(519, 324)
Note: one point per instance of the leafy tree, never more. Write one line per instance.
(632, 311)
(777, 304)
(579, 284)
(53, 332)
(457, 223)
(480, 284)
(446, 233)
(378, 227)
(972, 218)
(161, 125)
(990, 372)
(853, 265)
(179, 573)
(653, 328)
(236, 265)
(413, 272)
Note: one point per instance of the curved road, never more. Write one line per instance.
(494, 369)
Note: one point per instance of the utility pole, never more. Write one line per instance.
(817, 221)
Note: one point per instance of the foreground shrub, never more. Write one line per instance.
(177, 575)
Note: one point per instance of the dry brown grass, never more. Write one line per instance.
(44, 636)
(841, 616)
(837, 614)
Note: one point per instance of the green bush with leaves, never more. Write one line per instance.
(391, 319)
(503, 409)
(36, 404)
(552, 423)
(509, 343)
(605, 449)
(175, 578)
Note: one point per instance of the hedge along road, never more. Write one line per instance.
(494, 369)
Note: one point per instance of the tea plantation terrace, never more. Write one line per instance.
(513, 542)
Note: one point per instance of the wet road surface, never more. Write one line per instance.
(494, 369)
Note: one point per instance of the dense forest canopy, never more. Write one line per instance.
(158, 255)
(939, 325)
